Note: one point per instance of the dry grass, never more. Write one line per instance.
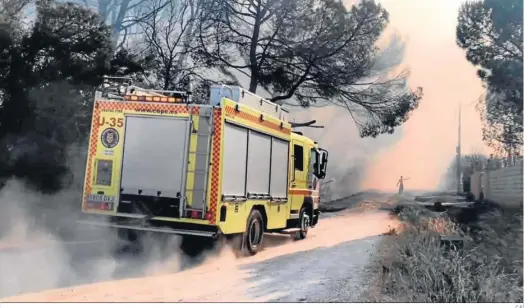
(415, 267)
(391, 231)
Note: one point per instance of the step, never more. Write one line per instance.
(290, 230)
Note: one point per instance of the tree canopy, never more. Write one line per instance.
(491, 33)
(47, 73)
(310, 53)
(315, 51)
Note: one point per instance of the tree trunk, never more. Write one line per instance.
(253, 63)
(189, 32)
(117, 24)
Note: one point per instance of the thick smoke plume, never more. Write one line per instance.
(423, 147)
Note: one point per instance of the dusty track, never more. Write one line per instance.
(327, 266)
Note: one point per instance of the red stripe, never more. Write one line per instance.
(301, 192)
(215, 168)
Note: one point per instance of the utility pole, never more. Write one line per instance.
(459, 169)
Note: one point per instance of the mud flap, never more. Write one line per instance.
(315, 218)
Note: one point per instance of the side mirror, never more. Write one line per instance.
(323, 163)
(317, 164)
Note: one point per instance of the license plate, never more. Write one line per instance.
(100, 198)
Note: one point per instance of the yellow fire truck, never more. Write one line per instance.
(230, 168)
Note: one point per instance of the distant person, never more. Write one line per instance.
(400, 185)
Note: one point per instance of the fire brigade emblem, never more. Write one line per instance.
(110, 137)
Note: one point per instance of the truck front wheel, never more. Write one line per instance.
(304, 224)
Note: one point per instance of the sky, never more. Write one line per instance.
(424, 146)
(440, 67)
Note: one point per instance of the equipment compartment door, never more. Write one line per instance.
(155, 156)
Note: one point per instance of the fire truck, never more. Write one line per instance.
(231, 168)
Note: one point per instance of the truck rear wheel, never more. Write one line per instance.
(193, 246)
(129, 242)
(254, 232)
(249, 243)
(304, 224)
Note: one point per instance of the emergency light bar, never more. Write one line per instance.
(160, 99)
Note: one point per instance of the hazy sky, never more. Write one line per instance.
(423, 147)
(440, 67)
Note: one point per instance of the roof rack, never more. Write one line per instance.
(243, 96)
(122, 88)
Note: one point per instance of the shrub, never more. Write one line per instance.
(415, 267)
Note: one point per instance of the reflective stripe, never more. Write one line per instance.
(162, 99)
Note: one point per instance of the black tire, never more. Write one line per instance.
(194, 246)
(254, 236)
(304, 224)
(129, 242)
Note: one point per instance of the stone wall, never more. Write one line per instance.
(502, 186)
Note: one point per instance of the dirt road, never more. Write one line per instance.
(330, 265)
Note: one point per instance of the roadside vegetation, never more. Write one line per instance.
(483, 263)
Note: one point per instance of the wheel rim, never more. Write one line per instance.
(254, 233)
(304, 225)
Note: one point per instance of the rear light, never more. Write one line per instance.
(198, 215)
(101, 206)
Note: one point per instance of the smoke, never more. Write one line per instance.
(421, 37)
(33, 270)
(349, 154)
(428, 142)
(35, 256)
(42, 246)
(32, 256)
